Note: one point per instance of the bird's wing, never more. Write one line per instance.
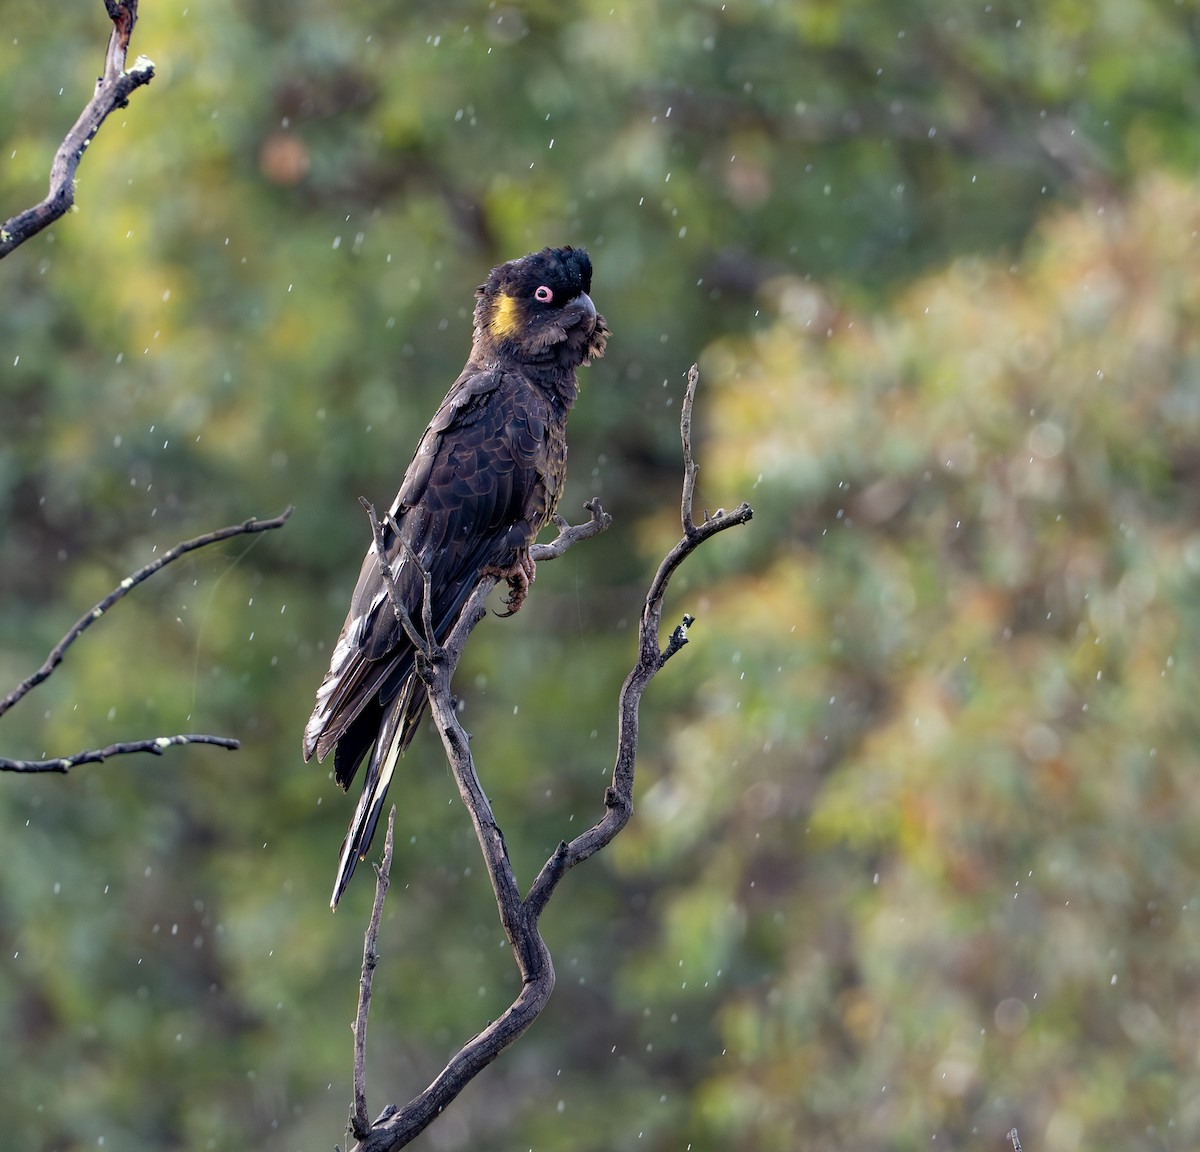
(462, 507)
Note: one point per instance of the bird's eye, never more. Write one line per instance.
(543, 294)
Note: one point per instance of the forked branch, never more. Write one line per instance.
(398, 1126)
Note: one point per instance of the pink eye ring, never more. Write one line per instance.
(543, 294)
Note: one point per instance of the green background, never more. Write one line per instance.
(915, 853)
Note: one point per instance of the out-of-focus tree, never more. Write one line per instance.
(957, 772)
(905, 243)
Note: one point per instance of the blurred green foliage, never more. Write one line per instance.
(914, 859)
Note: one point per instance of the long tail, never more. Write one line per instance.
(395, 735)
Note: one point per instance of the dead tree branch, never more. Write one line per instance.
(113, 90)
(360, 1123)
(389, 578)
(398, 1126)
(156, 745)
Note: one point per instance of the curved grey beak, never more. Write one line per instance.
(581, 308)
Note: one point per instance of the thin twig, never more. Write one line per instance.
(571, 534)
(389, 578)
(690, 467)
(360, 1123)
(54, 659)
(711, 525)
(397, 1127)
(155, 747)
(113, 90)
(427, 588)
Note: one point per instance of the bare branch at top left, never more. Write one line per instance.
(113, 89)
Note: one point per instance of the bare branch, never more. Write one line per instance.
(690, 467)
(389, 578)
(571, 534)
(427, 602)
(128, 584)
(156, 745)
(113, 90)
(618, 797)
(693, 534)
(360, 1124)
(396, 1127)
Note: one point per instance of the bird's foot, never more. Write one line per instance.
(519, 577)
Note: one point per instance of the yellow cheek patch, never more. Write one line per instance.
(506, 320)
